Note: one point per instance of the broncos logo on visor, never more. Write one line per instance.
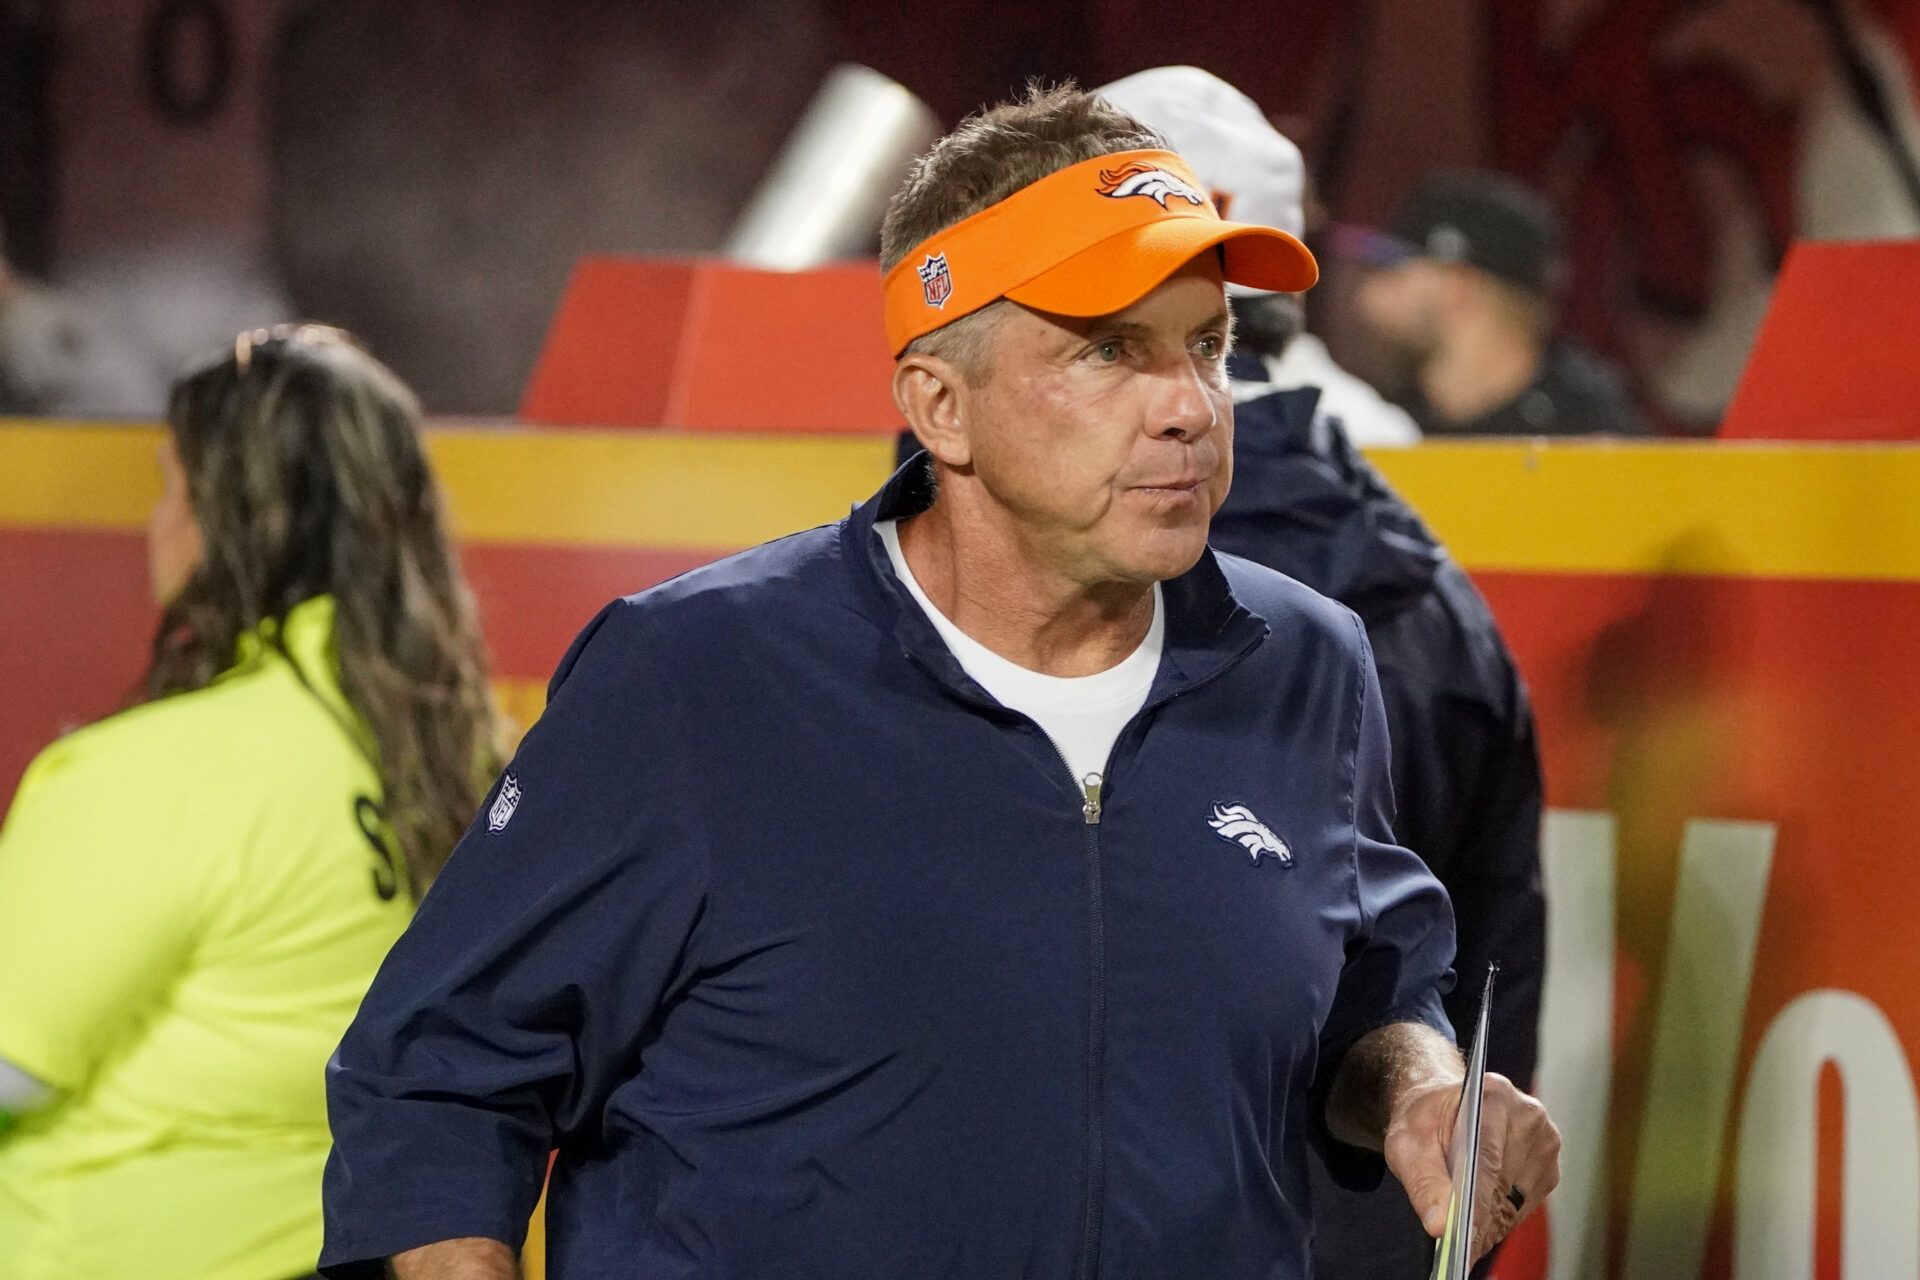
(1141, 179)
(1237, 823)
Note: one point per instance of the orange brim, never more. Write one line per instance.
(1088, 240)
(1125, 267)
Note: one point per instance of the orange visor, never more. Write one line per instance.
(1089, 240)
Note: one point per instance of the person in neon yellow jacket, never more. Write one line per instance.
(195, 892)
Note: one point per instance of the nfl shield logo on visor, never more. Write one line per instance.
(936, 282)
(501, 811)
(1237, 823)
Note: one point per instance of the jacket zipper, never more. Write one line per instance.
(1092, 797)
(1089, 1267)
(1091, 787)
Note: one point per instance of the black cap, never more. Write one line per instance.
(1486, 220)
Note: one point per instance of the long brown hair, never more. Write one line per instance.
(306, 476)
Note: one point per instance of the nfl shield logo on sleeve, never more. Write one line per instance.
(936, 282)
(501, 812)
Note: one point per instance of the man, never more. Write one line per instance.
(995, 883)
(1466, 771)
(1464, 302)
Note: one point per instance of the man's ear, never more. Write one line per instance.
(932, 395)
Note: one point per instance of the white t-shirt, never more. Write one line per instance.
(1082, 714)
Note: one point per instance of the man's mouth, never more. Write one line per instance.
(1170, 486)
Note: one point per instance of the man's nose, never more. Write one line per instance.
(1185, 408)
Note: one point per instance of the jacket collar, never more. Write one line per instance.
(302, 636)
(1207, 629)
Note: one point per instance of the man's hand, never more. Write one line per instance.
(1398, 1091)
(472, 1258)
(1519, 1156)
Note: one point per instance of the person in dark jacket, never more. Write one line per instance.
(1466, 767)
(995, 883)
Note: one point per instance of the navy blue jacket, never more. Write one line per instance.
(811, 960)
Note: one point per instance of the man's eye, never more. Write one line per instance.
(1109, 352)
(1210, 348)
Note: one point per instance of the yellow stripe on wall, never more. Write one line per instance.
(73, 475)
(1792, 511)
(1730, 510)
(657, 488)
(661, 489)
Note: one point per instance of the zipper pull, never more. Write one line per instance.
(1091, 809)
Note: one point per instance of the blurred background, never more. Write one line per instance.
(426, 175)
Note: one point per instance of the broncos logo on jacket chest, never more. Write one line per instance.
(1238, 823)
